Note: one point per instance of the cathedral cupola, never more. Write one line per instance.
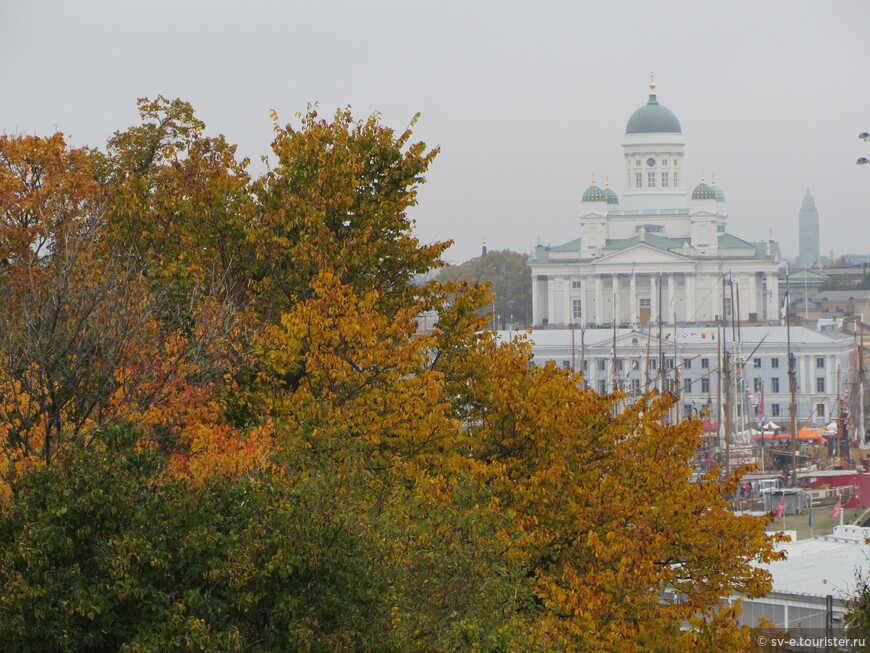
(704, 191)
(653, 117)
(612, 197)
(595, 194)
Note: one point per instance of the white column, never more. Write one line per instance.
(671, 300)
(617, 317)
(772, 296)
(569, 301)
(715, 297)
(653, 297)
(753, 294)
(690, 298)
(632, 299)
(599, 300)
(587, 303)
(550, 315)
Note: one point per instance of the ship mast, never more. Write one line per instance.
(791, 384)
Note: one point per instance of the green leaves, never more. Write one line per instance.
(99, 553)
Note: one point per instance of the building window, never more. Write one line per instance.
(820, 410)
(687, 363)
(645, 302)
(676, 183)
(664, 180)
(756, 384)
(670, 363)
(705, 363)
(637, 162)
(602, 364)
(687, 384)
(566, 365)
(602, 387)
(576, 284)
(653, 363)
(619, 364)
(635, 384)
(820, 384)
(651, 179)
(705, 385)
(774, 410)
(638, 180)
(727, 306)
(675, 162)
(578, 306)
(585, 365)
(774, 363)
(774, 384)
(756, 362)
(820, 362)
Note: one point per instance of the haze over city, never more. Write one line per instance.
(526, 101)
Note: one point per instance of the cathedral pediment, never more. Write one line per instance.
(641, 254)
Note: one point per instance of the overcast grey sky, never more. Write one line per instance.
(527, 100)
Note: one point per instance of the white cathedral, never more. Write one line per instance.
(656, 252)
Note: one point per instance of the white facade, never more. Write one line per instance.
(691, 356)
(656, 252)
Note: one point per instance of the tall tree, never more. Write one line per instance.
(338, 199)
(511, 281)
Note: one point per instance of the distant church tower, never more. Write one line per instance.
(809, 233)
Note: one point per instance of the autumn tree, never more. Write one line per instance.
(105, 551)
(248, 444)
(178, 199)
(337, 198)
(89, 335)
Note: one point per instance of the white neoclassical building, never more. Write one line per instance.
(658, 250)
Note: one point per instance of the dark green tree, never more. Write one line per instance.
(102, 552)
(511, 279)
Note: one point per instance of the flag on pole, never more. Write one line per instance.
(779, 511)
(783, 310)
(836, 510)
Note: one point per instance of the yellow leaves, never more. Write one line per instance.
(361, 374)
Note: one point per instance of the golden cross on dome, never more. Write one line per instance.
(652, 85)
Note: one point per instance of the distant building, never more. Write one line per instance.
(812, 586)
(842, 303)
(689, 356)
(658, 251)
(808, 221)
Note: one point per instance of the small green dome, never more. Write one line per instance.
(653, 118)
(720, 196)
(705, 192)
(612, 197)
(594, 194)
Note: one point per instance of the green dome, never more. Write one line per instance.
(612, 197)
(720, 196)
(653, 118)
(705, 192)
(595, 194)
